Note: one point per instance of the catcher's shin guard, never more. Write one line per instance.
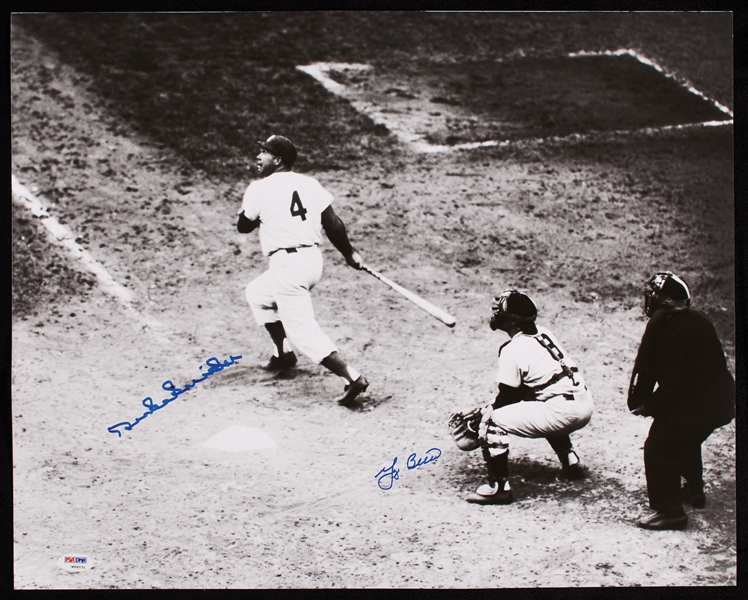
(497, 440)
(497, 466)
(561, 445)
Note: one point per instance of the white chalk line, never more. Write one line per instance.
(321, 72)
(650, 63)
(66, 238)
(425, 147)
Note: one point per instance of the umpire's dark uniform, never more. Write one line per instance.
(681, 353)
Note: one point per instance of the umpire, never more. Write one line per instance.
(681, 354)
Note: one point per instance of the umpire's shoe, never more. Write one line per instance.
(660, 521)
(352, 390)
(498, 493)
(694, 496)
(281, 363)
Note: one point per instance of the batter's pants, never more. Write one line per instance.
(670, 451)
(556, 416)
(282, 294)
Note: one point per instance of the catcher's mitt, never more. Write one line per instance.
(464, 429)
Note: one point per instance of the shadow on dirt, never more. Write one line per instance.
(605, 497)
(367, 403)
(536, 483)
(251, 375)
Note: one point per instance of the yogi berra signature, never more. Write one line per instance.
(388, 475)
(214, 366)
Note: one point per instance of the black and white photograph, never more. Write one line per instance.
(372, 299)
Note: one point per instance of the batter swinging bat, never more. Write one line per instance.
(435, 312)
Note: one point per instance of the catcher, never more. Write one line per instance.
(541, 395)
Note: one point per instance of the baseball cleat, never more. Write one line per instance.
(352, 390)
(487, 494)
(281, 363)
(660, 521)
(695, 498)
(573, 472)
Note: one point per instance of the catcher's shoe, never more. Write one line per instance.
(352, 390)
(281, 363)
(498, 493)
(660, 521)
(573, 471)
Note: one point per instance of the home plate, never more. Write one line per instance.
(239, 439)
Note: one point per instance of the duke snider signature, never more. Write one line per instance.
(214, 366)
(388, 475)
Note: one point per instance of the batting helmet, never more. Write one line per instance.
(667, 290)
(278, 145)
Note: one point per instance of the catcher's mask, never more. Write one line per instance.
(665, 289)
(513, 305)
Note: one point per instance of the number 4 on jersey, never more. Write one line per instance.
(297, 208)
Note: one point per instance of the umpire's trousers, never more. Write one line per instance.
(672, 451)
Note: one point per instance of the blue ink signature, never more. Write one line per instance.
(388, 475)
(214, 366)
(413, 464)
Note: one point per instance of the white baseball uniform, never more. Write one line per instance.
(289, 206)
(558, 409)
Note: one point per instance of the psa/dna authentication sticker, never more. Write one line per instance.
(75, 562)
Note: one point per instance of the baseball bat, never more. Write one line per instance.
(434, 311)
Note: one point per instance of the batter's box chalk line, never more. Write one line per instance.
(415, 141)
(66, 238)
(650, 63)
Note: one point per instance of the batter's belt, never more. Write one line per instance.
(291, 250)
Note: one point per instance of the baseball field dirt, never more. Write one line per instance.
(138, 134)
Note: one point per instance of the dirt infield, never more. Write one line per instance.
(148, 166)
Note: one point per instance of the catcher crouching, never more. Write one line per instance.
(541, 395)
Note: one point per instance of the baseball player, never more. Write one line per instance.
(291, 210)
(541, 395)
(681, 354)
